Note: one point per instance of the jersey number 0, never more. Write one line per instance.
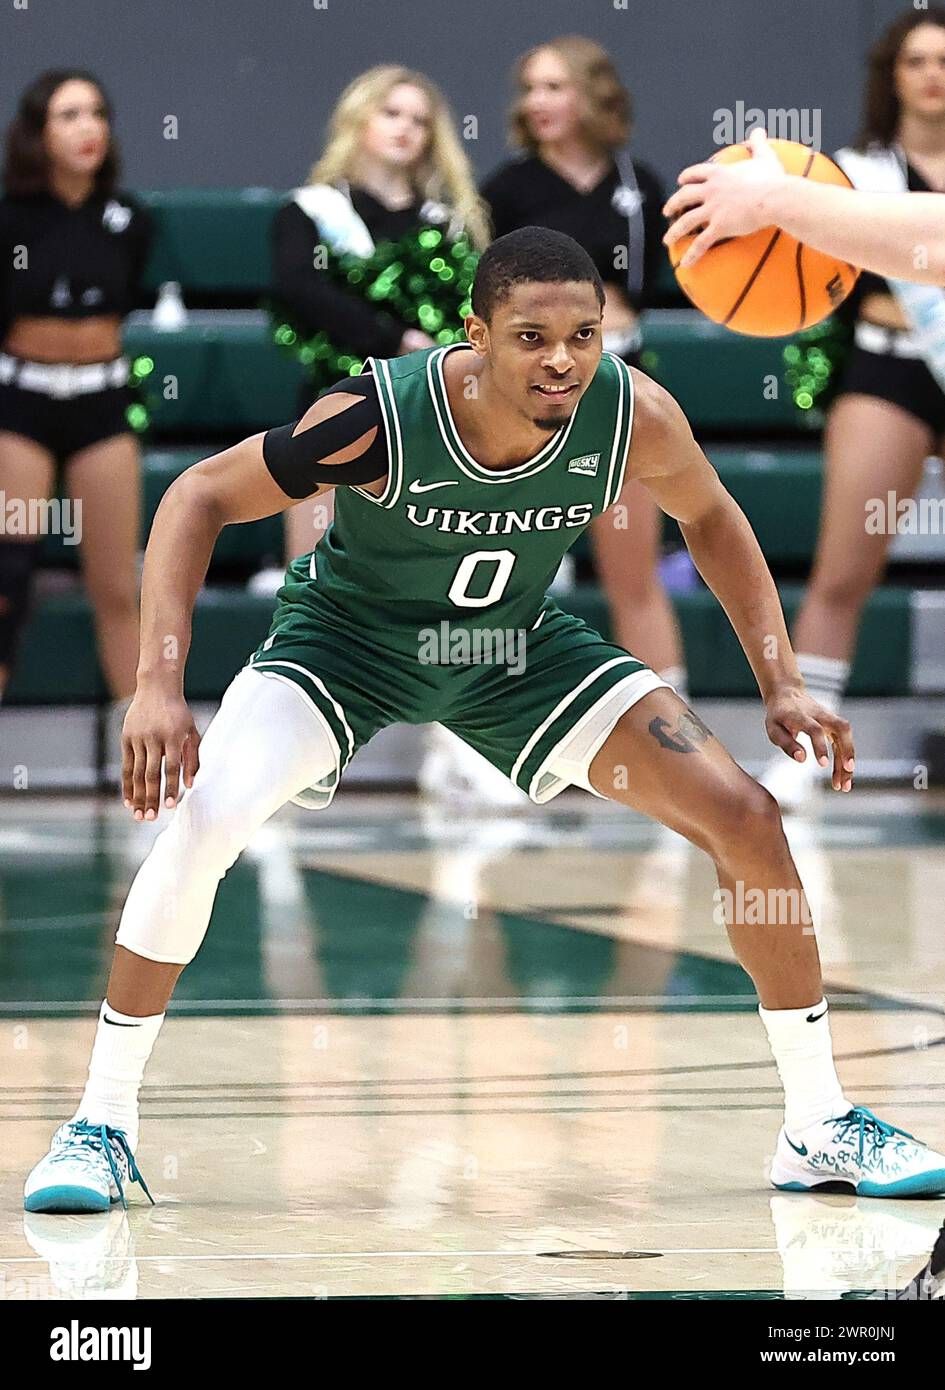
(458, 591)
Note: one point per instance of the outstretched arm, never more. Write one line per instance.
(665, 457)
(894, 234)
(335, 442)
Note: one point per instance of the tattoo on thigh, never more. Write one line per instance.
(682, 735)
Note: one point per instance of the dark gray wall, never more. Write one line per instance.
(252, 81)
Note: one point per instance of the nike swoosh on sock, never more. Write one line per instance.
(813, 1018)
(115, 1024)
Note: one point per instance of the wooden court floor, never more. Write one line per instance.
(423, 1056)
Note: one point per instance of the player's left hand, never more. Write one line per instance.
(723, 200)
(791, 712)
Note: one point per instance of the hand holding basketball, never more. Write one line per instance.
(722, 200)
(731, 262)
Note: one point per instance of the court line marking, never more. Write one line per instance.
(460, 1111)
(388, 1255)
(844, 1000)
(68, 922)
(275, 1093)
(695, 1069)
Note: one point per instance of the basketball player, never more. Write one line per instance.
(464, 473)
(888, 233)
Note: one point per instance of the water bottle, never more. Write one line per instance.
(169, 313)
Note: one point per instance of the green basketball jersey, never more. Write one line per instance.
(450, 540)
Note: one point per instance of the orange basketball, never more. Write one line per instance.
(767, 283)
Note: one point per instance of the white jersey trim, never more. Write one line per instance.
(570, 759)
(561, 706)
(457, 449)
(621, 448)
(392, 432)
(266, 667)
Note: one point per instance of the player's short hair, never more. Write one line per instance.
(530, 254)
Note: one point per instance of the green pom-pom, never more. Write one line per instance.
(432, 291)
(813, 362)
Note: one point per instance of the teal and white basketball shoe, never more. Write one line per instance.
(857, 1151)
(86, 1169)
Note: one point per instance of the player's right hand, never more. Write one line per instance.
(158, 727)
(792, 711)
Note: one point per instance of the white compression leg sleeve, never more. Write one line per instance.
(264, 745)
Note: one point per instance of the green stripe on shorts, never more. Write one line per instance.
(318, 694)
(570, 711)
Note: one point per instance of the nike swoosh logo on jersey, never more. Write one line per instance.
(416, 486)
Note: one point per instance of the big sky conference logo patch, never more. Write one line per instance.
(586, 465)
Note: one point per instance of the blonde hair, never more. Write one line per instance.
(443, 173)
(608, 106)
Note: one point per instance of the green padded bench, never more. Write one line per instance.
(226, 377)
(216, 239)
(58, 662)
(721, 379)
(717, 665)
(212, 239)
(229, 378)
(779, 490)
(247, 545)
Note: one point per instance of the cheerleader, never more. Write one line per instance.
(391, 166)
(73, 252)
(889, 414)
(570, 123)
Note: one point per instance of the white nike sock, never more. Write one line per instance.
(803, 1053)
(825, 678)
(119, 1057)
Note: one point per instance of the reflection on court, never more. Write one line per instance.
(506, 1059)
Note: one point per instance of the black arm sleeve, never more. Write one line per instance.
(294, 460)
(314, 302)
